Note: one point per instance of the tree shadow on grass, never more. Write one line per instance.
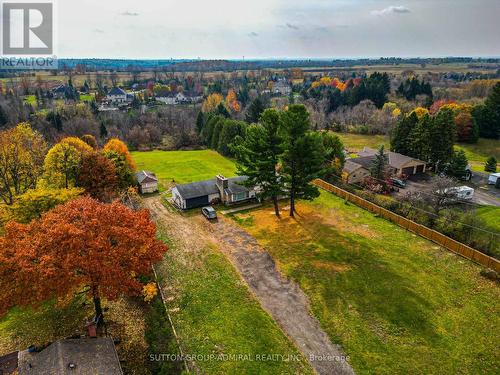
(370, 285)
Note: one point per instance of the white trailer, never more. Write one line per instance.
(492, 179)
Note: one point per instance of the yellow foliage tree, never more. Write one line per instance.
(22, 152)
(232, 101)
(212, 102)
(114, 144)
(421, 111)
(149, 291)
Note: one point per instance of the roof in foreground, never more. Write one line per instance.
(89, 356)
(209, 187)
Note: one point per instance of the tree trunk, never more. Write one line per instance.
(276, 206)
(97, 305)
(292, 203)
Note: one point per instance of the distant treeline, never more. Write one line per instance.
(231, 65)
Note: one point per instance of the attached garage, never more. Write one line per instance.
(197, 202)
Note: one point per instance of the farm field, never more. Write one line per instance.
(184, 166)
(212, 309)
(395, 302)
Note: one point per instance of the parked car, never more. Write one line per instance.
(209, 213)
(399, 183)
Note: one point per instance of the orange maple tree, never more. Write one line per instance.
(114, 144)
(81, 245)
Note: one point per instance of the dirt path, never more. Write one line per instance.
(280, 297)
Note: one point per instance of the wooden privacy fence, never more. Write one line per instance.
(430, 234)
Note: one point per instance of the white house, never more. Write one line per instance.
(282, 88)
(117, 96)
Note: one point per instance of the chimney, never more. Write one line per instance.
(222, 184)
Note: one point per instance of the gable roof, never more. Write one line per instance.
(209, 187)
(351, 166)
(117, 91)
(395, 160)
(146, 176)
(89, 355)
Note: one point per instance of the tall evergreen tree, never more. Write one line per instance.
(491, 165)
(231, 131)
(254, 111)
(401, 141)
(419, 139)
(304, 155)
(200, 121)
(259, 154)
(378, 168)
(442, 137)
(458, 164)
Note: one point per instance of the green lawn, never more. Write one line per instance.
(87, 97)
(491, 216)
(397, 303)
(184, 166)
(215, 314)
(478, 153)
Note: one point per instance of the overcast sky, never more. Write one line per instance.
(277, 28)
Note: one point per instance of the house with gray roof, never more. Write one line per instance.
(219, 189)
(401, 165)
(118, 96)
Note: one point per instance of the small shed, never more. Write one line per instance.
(147, 181)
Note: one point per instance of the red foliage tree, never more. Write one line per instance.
(98, 177)
(103, 248)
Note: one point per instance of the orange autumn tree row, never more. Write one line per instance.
(82, 245)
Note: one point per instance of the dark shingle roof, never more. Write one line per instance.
(208, 187)
(89, 355)
(350, 166)
(117, 91)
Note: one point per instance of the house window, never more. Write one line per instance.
(239, 196)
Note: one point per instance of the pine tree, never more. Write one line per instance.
(304, 155)
(442, 137)
(254, 111)
(458, 164)
(200, 121)
(259, 154)
(378, 168)
(401, 141)
(419, 139)
(491, 165)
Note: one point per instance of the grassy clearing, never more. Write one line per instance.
(184, 166)
(356, 142)
(478, 153)
(395, 302)
(215, 314)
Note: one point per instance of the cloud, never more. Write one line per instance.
(98, 31)
(393, 9)
(253, 34)
(293, 27)
(130, 14)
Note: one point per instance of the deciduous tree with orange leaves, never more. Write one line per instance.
(114, 144)
(83, 245)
